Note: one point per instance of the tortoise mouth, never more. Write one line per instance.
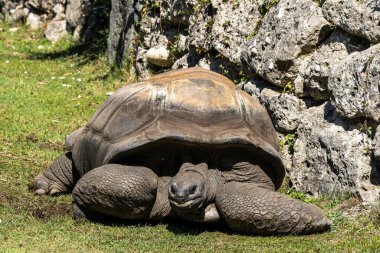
(191, 204)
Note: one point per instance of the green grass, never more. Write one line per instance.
(47, 91)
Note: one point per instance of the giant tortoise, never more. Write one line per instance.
(186, 144)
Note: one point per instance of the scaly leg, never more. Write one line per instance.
(127, 192)
(248, 208)
(60, 177)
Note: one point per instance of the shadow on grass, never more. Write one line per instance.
(176, 226)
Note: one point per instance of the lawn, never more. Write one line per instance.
(47, 91)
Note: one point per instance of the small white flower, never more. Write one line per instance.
(62, 77)
(66, 85)
(79, 80)
(7, 61)
(109, 93)
(53, 78)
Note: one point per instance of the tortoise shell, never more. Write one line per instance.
(194, 106)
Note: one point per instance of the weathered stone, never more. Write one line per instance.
(18, 14)
(34, 21)
(354, 84)
(42, 5)
(123, 18)
(289, 30)
(377, 144)
(58, 9)
(314, 69)
(159, 56)
(74, 13)
(186, 61)
(332, 157)
(234, 23)
(175, 12)
(361, 18)
(56, 29)
(200, 28)
(284, 109)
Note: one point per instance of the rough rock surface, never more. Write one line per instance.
(332, 157)
(377, 145)
(228, 32)
(56, 29)
(274, 49)
(285, 109)
(361, 18)
(314, 69)
(159, 56)
(35, 21)
(123, 18)
(354, 84)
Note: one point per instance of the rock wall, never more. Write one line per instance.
(315, 67)
(313, 64)
(58, 18)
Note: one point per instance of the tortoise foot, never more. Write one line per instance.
(58, 178)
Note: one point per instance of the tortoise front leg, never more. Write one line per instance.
(248, 208)
(60, 177)
(127, 192)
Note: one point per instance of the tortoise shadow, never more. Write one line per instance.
(176, 226)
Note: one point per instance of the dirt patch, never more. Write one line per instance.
(57, 146)
(48, 212)
(37, 206)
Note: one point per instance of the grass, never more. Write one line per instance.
(47, 91)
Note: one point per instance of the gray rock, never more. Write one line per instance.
(234, 23)
(361, 18)
(122, 30)
(284, 109)
(58, 8)
(159, 56)
(354, 84)
(200, 28)
(289, 30)
(74, 13)
(56, 29)
(331, 157)
(314, 68)
(18, 14)
(34, 21)
(41, 5)
(176, 12)
(186, 61)
(377, 144)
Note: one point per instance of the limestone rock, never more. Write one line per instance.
(34, 21)
(41, 5)
(330, 157)
(284, 109)
(122, 21)
(354, 84)
(159, 56)
(361, 18)
(74, 13)
(289, 30)
(377, 144)
(175, 12)
(56, 29)
(314, 69)
(234, 23)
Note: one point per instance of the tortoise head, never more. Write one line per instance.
(188, 189)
